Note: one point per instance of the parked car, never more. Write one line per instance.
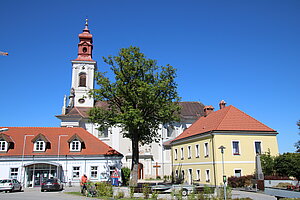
(52, 184)
(10, 185)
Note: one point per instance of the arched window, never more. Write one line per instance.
(82, 80)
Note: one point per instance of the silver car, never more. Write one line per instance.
(10, 185)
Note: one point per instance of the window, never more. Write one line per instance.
(235, 148)
(76, 172)
(175, 154)
(181, 151)
(3, 145)
(94, 172)
(258, 147)
(39, 145)
(75, 145)
(103, 133)
(13, 173)
(206, 153)
(170, 130)
(197, 151)
(237, 172)
(207, 175)
(189, 152)
(198, 175)
(82, 80)
(182, 174)
(176, 173)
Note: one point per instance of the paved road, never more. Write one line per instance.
(36, 194)
(252, 195)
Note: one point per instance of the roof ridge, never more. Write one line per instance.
(79, 111)
(229, 107)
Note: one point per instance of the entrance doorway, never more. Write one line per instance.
(36, 174)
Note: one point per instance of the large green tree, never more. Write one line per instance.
(140, 98)
(297, 145)
(288, 164)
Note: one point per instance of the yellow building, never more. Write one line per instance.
(197, 155)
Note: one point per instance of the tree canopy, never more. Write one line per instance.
(141, 97)
(297, 144)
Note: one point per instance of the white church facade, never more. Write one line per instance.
(75, 114)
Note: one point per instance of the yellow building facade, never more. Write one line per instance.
(196, 155)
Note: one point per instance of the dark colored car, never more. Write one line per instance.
(52, 184)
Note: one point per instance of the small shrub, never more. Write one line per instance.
(131, 192)
(242, 181)
(120, 195)
(146, 191)
(158, 177)
(125, 172)
(154, 195)
(104, 189)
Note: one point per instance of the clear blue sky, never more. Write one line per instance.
(245, 52)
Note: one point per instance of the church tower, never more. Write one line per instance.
(83, 68)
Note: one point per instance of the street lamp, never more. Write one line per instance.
(23, 169)
(58, 151)
(224, 177)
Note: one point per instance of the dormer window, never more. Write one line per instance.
(3, 145)
(6, 143)
(75, 145)
(39, 145)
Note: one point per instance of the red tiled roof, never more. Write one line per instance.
(188, 110)
(227, 119)
(93, 146)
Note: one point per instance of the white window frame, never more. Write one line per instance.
(237, 169)
(39, 145)
(189, 148)
(3, 146)
(198, 174)
(182, 153)
(175, 154)
(13, 172)
(75, 171)
(206, 149)
(207, 175)
(94, 171)
(75, 147)
(261, 149)
(239, 148)
(197, 151)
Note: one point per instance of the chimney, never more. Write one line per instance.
(208, 110)
(222, 104)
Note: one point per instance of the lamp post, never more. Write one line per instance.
(224, 177)
(58, 151)
(23, 168)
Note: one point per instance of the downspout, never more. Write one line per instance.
(172, 173)
(214, 164)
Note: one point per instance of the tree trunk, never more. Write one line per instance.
(135, 161)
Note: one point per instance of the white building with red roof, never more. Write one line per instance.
(33, 154)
